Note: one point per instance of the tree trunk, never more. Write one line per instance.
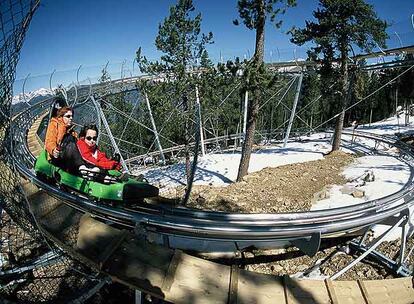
(338, 131)
(370, 117)
(253, 108)
(186, 140)
(252, 113)
(345, 92)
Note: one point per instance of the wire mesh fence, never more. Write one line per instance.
(32, 269)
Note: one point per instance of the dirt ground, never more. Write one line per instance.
(331, 259)
(286, 188)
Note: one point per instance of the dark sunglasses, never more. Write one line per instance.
(68, 116)
(90, 138)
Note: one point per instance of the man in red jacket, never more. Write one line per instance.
(90, 152)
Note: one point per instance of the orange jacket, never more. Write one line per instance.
(54, 134)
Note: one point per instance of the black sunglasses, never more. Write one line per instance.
(90, 138)
(68, 116)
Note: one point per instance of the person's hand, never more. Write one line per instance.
(116, 166)
(55, 153)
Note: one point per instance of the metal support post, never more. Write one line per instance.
(46, 259)
(138, 297)
(293, 112)
(370, 249)
(400, 258)
(412, 20)
(203, 151)
(127, 122)
(154, 127)
(108, 130)
(246, 103)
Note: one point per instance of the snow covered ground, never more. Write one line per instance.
(221, 169)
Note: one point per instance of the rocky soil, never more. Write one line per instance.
(286, 188)
(325, 263)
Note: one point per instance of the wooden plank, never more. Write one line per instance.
(198, 281)
(169, 278)
(96, 240)
(42, 204)
(28, 188)
(364, 292)
(347, 292)
(331, 291)
(139, 265)
(234, 283)
(181, 278)
(306, 291)
(259, 288)
(394, 291)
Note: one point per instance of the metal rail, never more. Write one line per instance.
(209, 225)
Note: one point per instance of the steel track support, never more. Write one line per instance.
(87, 295)
(203, 151)
(399, 265)
(246, 104)
(369, 249)
(46, 259)
(138, 297)
(293, 111)
(154, 127)
(309, 246)
(108, 130)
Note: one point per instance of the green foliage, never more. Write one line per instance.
(181, 42)
(205, 61)
(254, 14)
(185, 63)
(249, 11)
(183, 46)
(340, 25)
(104, 75)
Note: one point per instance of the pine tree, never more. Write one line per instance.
(254, 14)
(104, 75)
(340, 25)
(183, 47)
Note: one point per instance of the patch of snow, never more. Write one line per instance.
(221, 169)
(390, 174)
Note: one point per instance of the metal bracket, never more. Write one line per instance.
(309, 246)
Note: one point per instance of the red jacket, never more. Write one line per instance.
(95, 157)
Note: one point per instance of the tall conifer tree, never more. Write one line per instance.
(183, 46)
(339, 26)
(254, 14)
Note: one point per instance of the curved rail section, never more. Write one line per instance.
(169, 274)
(180, 278)
(218, 226)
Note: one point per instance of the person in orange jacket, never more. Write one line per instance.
(58, 127)
(90, 151)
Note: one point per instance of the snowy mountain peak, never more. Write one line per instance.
(40, 92)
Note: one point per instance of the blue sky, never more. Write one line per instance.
(66, 34)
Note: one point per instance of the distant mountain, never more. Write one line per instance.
(31, 95)
(18, 102)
